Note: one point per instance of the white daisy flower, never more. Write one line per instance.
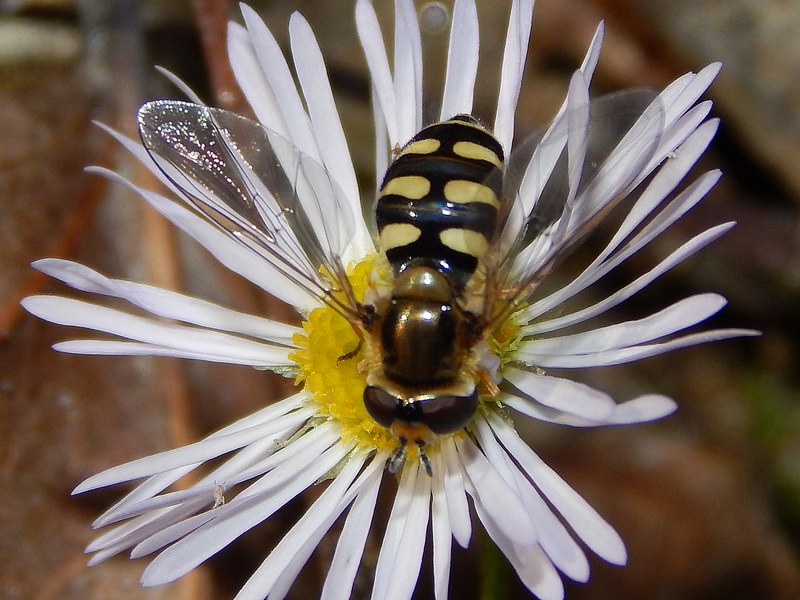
(279, 204)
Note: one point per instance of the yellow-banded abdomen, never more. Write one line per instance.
(439, 202)
(437, 215)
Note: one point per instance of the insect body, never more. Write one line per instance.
(462, 261)
(437, 215)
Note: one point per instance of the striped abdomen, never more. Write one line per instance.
(439, 202)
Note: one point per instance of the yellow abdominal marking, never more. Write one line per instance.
(465, 240)
(463, 192)
(412, 187)
(395, 235)
(475, 151)
(420, 147)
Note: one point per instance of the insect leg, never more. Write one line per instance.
(398, 458)
(423, 458)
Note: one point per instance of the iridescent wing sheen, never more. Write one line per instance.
(259, 189)
(548, 173)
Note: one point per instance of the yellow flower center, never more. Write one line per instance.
(506, 339)
(335, 383)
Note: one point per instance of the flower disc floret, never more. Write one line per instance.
(333, 380)
(506, 339)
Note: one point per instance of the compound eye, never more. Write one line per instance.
(449, 413)
(381, 405)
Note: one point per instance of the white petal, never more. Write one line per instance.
(198, 452)
(408, 563)
(442, 534)
(165, 303)
(619, 170)
(629, 354)
(238, 516)
(279, 570)
(584, 520)
(457, 506)
(514, 55)
(553, 141)
(677, 99)
(400, 556)
(390, 546)
(68, 311)
(130, 533)
(172, 524)
(116, 348)
(322, 436)
(161, 480)
(350, 548)
(166, 535)
(664, 182)
(531, 564)
(642, 409)
(251, 80)
(563, 394)
(368, 478)
(674, 318)
(127, 534)
(231, 254)
(139, 528)
(407, 70)
(253, 462)
(462, 61)
(148, 488)
(593, 52)
(499, 500)
(542, 162)
(369, 33)
(609, 259)
(554, 538)
(148, 527)
(571, 128)
(682, 93)
(639, 410)
(685, 126)
(249, 464)
(180, 84)
(686, 250)
(578, 130)
(288, 463)
(381, 140)
(276, 70)
(673, 211)
(313, 78)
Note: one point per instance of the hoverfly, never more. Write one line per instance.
(465, 246)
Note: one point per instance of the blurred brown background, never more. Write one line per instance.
(708, 501)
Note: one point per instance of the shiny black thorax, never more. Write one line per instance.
(424, 330)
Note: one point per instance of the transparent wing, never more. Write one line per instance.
(259, 189)
(561, 184)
